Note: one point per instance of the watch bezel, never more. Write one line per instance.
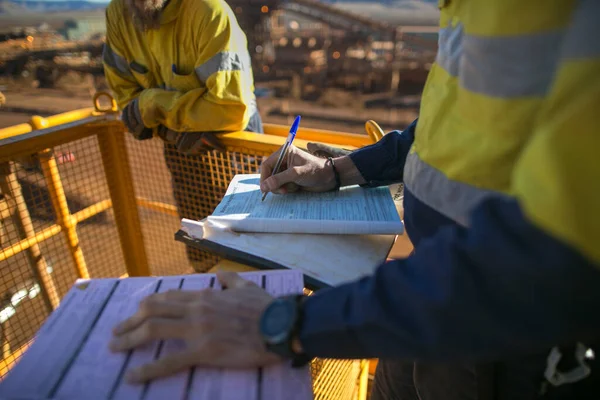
(274, 339)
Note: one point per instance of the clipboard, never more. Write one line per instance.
(325, 260)
(242, 257)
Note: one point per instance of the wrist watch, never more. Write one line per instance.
(280, 324)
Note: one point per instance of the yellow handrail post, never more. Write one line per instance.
(59, 203)
(10, 186)
(61, 209)
(120, 184)
(374, 131)
(363, 383)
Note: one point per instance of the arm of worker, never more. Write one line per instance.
(382, 163)
(222, 104)
(523, 277)
(378, 164)
(502, 287)
(119, 78)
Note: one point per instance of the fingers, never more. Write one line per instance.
(198, 142)
(179, 296)
(164, 366)
(273, 183)
(289, 188)
(231, 280)
(149, 330)
(211, 141)
(164, 305)
(266, 167)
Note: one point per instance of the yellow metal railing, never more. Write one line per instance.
(63, 128)
(42, 136)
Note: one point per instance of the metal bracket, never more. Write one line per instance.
(556, 377)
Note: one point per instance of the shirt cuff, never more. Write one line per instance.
(368, 161)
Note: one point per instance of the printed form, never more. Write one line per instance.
(352, 210)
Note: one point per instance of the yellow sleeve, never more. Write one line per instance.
(223, 64)
(123, 85)
(557, 179)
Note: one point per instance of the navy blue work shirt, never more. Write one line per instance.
(498, 288)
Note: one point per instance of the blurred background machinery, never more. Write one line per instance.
(299, 46)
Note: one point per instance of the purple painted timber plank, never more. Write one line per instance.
(237, 384)
(281, 381)
(205, 382)
(254, 277)
(58, 341)
(96, 369)
(145, 354)
(175, 386)
(240, 384)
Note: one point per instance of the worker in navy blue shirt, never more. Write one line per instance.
(499, 289)
(502, 186)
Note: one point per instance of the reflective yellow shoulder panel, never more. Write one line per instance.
(557, 179)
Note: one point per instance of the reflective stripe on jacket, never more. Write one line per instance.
(191, 74)
(510, 108)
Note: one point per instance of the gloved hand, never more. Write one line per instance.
(191, 142)
(132, 118)
(324, 151)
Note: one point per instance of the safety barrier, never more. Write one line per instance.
(80, 198)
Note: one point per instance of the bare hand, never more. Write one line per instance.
(219, 328)
(299, 170)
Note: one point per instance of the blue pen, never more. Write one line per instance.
(286, 145)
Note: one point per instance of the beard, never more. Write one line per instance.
(145, 13)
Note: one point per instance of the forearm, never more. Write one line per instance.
(382, 163)
(377, 164)
(349, 174)
(500, 288)
(197, 110)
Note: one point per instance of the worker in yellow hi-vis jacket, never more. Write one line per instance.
(180, 70)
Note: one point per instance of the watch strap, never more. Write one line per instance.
(285, 348)
(299, 360)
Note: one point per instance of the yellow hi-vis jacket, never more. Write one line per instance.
(512, 108)
(191, 74)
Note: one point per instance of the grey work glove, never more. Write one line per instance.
(324, 151)
(132, 118)
(191, 142)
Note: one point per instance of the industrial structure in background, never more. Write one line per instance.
(309, 44)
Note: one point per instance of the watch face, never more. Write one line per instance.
(278, 321)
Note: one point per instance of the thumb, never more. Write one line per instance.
(313, 147)
(323, 150)
(231, 280)
(276, 181)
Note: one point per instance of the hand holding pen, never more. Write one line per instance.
(292, 169)
(284, 149)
